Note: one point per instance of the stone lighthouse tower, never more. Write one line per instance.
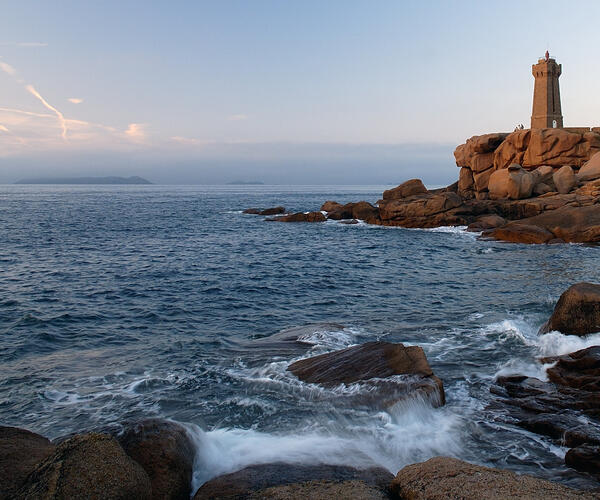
(546, 94)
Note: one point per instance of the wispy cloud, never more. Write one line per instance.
(237, 118)
(24, 44)
(4, 129)
(75, 100)
(7, 68)
(184, 140)
(136, 132)
(59, 115)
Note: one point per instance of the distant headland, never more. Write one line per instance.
(85, 180)
(246, 183)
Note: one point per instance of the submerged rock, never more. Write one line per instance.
(88, 466)
(20, 452)
(445, 477)
(276, 480)
(166, 452)
(375, 360)
(266, 211)
(577, 311)
(300, 217)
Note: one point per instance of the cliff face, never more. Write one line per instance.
(482, 155)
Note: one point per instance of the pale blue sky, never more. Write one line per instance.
(211, 91)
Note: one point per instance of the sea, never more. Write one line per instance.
(127, 302)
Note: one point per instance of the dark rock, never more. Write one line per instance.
(88, 466)
(266, 211)
(585, 458)
(577, 311)
(254, 480)
(20, 452)
(445, 477)
(374, 360)
(350, 221)
(406, 189)
(300, 217)
(166, 452)
(579, 370)
(519, 232)
(486, 222)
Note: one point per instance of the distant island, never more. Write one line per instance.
(85, 180)
(246, 183)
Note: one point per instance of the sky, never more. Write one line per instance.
(300, 92)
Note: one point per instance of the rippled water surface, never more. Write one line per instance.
(126, 302)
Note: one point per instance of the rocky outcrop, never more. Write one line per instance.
(445, 477)
(549, 146)
(407, 189)
(266, 211)
(88, 466)
(564, 179)
(578, 370)
(428, 210)
(573, 224)
(513, 183)
(591, 170)
(375, 360)
(20, 452)
(584, 458)
(577, 311)
(361, 210)
(166, 452)
(277, 480)
(300, 217)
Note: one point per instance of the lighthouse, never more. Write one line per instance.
(546, 111)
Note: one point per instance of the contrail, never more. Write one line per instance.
(61, 118)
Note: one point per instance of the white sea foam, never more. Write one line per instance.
(556, 344)
(409, 432)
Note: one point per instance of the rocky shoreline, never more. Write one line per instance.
(530, 186)
(155, 458)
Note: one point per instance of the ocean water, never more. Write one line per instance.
(128, 302)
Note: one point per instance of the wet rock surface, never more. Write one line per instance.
(444, 477)
(379, 361)
(87, 466)
(165, 451)
(278, 479)
(20, 452)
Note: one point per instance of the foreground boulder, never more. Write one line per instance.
(88, 466)
(166, 452)
(444, 477)
(577, 311)
(20, 452)
(375, 360)
(290, 481)
(579, 369)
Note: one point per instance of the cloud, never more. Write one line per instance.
(185, 140)
(4, 129)
(31, 44)
(59, 115)
(8, 69)
(237, 118)
(136, 132)
(24, 44)
(75, 100)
